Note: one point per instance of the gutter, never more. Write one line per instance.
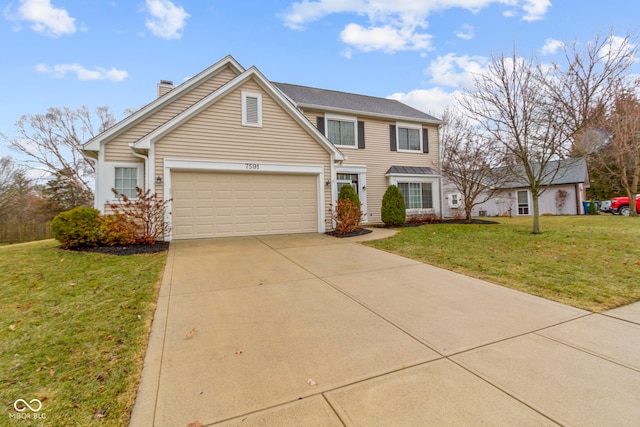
(149, 183)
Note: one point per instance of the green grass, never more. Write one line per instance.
(73, 332)
(589, 262)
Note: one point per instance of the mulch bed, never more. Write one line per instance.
(438, 221)
(129, 249)
(358, 232)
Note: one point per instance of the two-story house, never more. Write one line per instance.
(240, 155)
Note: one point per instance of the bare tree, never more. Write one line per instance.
(9, 173)
(52, 141)
(513, 107)
(619, 151)
(469, 160)
(582, 84)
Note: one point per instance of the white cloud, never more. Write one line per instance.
(386, 38)
(552, 46)
(167, 20)
(44, 17)
(616, 45)
(432, 101)
(98, 73)
(466, 32)
(535, 9)
(392, 24)
(456, 71)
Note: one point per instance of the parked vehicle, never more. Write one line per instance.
(620, 205)
(605, 206)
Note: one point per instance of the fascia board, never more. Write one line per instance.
(155, 105)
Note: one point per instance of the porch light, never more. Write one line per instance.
(158, 180)
(328, 183)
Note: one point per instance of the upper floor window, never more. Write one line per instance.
(251, 109)
(341, 132)
(409, 138)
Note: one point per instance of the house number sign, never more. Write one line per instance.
(252, 166)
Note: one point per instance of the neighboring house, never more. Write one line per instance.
(563, 195)
(240, 155)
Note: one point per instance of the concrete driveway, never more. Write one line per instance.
(311, 330)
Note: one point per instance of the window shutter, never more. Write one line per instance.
(361, 135)
(320, 124)
(425, 140)
(392, 137)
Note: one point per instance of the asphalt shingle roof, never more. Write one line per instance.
(310, 97)
(569, 171)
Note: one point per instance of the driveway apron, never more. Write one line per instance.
(313, 330)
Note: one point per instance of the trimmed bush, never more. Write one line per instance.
(393, 208)
(348, 192)
(77, 228)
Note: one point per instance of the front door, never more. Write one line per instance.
(347, 179)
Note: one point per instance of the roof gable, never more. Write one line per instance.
(345, 102)
(266, 85)
(159, 103)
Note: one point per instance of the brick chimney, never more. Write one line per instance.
(164, 87)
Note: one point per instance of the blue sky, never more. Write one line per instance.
(113, 53)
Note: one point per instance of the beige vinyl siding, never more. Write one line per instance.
(117, 149)
(217, 134)
(378, 158)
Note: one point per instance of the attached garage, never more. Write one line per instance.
(224, 204)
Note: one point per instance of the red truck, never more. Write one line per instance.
(620, 205)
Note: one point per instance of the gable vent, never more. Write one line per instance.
(251, 109)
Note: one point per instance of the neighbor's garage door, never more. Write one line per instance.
(207, 204)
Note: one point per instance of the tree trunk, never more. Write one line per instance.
(536, 213)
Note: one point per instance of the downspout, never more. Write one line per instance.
(148, 181)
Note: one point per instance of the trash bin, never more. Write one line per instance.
(585, 207)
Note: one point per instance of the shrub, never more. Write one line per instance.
(77, 228)
(348, 216)
(146, 211)
(393, 208)
(348, 212)
(348, 192)
(118, 230)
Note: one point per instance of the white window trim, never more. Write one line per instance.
(394, 179)
(352, 119)
(361, 171)
(408, 126)
(111, 180)
(246, 95)
(529, 207)
(453, 205)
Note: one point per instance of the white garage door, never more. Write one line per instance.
(207, 204)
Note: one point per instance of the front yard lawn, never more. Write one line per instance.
(73, 333)
(589, 262)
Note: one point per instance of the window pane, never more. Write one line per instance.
(414, 139)
(403, 139)
(408, 139)
(404, 189)
(126, 181)
(427, 195)
(348, 136)
(333, 132)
